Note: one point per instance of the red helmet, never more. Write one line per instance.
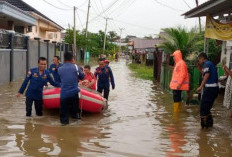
(106, 61)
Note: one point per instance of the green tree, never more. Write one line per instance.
(113, 36)
(94, 42)
(148, 37)
(181, 39)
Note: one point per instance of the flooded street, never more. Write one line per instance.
(139, 122)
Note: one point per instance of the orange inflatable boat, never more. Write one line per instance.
(90, 101)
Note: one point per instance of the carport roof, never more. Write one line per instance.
(26, 7)
(16, 13)
(212, 7)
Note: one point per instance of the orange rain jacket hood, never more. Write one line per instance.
(180, 73)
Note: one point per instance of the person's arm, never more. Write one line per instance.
(50, 69)
(95, 73)
(112, 78)
(206, 73)
(81, 74)
(24, 84)
(182, 74)
(52, 82)
(92, 82)
(227, 71)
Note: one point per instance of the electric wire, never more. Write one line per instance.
(56, 6)
(167, 6)
(111, 5)
(64, 4)
(187, 4)
(80, 20)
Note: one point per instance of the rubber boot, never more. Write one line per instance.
(204, 122)
(210, 120)
(176, 107)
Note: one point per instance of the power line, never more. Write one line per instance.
(82, 4)
(167, 6)
(134, 25)
(64, 4)
(97, 6)
(126, 6)
(187, 4)
(111, 5)
(80, 20)
(56, 6)
(124, 3)
(101, 5)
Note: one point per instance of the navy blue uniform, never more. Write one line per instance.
(54, 71)
(35, 89)
(69, 100)
(210, 91)
(105, 76)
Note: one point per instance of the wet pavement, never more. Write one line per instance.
(139, 123)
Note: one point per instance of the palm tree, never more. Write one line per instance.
(181, 39)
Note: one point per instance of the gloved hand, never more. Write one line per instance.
(113, 87)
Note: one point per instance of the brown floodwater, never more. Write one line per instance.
(139, 122)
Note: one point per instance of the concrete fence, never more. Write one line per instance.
(18, 54)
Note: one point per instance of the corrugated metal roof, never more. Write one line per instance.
(26, 7)
(146, 43)
(211, 7)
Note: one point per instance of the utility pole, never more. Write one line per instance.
(120, 41)
(104, 46)
(87, 21)
(197, 4)
(74, 33)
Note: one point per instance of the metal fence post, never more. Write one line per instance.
(47, 41)
(27, 52)
(54, 42)
(38, 39)
(66, 47)
(11, 46)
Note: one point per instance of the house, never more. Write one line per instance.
(14, 18)
(142, 49)
(218, 15)
(32, 23)
(142, 46)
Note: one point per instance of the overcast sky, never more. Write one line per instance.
(136, 17)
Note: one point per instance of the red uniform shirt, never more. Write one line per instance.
(89, 78)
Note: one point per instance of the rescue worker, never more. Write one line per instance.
(180, 80)
(107, 62)
(89, 80)
(102, 57)
(105, 76)
(69, 99)
(54, 68)
(38, 78)
(210, 88)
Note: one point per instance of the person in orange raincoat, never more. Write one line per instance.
(180, 79)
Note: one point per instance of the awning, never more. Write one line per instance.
(12, 13)
(212, 7)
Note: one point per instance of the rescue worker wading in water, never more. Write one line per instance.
(37, 78)
(210, 88)
(105, 76)
(180, 80)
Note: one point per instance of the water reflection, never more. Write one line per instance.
(176, 135)
(41, 140)
(31, 142)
